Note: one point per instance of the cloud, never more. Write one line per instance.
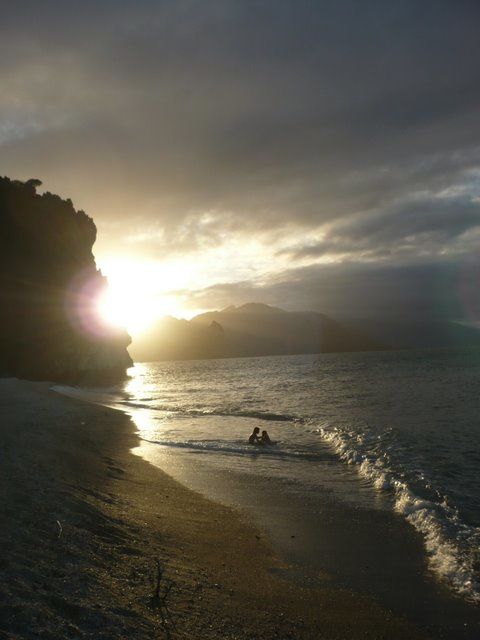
(437, 290)
(338, 130)
(424, 226)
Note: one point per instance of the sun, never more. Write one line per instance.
(133, 310)
(136, 307)
(135, 297)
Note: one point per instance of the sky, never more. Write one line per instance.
(310, 155)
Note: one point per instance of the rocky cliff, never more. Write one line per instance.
(49, 285)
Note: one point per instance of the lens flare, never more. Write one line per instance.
(81, 304)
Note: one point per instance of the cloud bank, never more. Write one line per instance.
(303, 152)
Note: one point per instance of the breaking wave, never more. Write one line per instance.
(452, 546)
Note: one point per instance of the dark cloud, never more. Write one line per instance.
(354, 122)
(424, 226)
(438, 290)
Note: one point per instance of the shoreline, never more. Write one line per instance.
(86, 521)
(329, 542)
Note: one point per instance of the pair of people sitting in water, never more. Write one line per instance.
(256, 439)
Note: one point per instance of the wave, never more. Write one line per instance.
(240, 447)
(142, 405)
(255, 414)
(452, 546)
(106, 397)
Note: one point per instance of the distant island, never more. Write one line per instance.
(48, 284)
(251, 329)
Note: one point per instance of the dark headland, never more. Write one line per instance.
(48, 280)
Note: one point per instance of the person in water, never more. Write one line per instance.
(254, 437)
(265, 439)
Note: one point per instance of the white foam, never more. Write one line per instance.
(450, 545)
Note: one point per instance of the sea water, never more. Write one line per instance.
(388, 430)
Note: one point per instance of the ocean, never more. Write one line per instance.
(380, 433)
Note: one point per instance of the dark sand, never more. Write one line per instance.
(327, 540)
(84, 522)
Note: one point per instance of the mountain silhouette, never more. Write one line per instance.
(252, 329)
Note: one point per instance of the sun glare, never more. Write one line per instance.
(133, 310)
(132, 299)
(135, 298)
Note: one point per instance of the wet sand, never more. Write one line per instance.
(87, 525)
(330, 542)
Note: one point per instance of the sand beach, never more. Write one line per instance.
(88, 529)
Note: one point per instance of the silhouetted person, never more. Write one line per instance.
(265, 439)
(255, 438)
